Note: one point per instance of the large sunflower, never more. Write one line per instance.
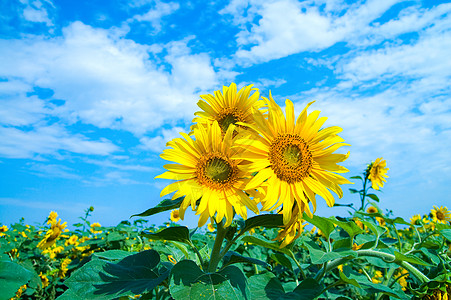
(228, 107)
(294, 160)
(207, 170)
(376, 172)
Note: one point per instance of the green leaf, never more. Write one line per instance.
(176, 234)
(349, 226)
(446, 233)
(112, 254)
(12, 277)
(135, 274)
(232, 257)
(188, 281)
(373, 196)
(320, 256)
(326, 225)
(411, 258)
(270, 245)
(348, 280)
(353, 191)
(265, 286)
(267, 221)
(283, 260)
(308, 289)
(164, 205)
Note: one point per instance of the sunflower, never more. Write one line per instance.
(376, 172)
(207, 169)
(228, 107)
(175, 216)
(292, 230)
(294, 160)
(415, 220)
(52, 235)
(371, 210)
(441, 215)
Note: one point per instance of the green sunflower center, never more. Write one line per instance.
(229, 116)
(216, 171)
(290, 158)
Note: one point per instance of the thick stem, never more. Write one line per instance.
(364, 193)
(385, 256)
(215, 256)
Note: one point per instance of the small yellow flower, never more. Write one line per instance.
(340, 267)
(356, 247)
(402, 280)
(44, 280)
(63, 269)
(52, 235)
(381, 221)
(441, 215)
(3, 228)
(20, 291)
(378, 274)
(94, 226)
(376, 172)
(172, 259)
(73, 240)
(175, 216)
(415, 220)
(52, 217)
(372, 210)
(211, 227)
(359, 223)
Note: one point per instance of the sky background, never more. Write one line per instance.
(90, 92)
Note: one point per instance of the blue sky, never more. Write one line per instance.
(90, 92)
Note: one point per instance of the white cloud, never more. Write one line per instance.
(158, 143)
(109, 81)
(155, 14)
(37, 11)
(53, 170)
(49, 140)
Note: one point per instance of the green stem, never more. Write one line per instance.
(385, 256)
(297, 264)
(364, 193)
(215, 256)
(397, 237)
(198, 255)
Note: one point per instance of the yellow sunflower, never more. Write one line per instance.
(228, 107)
(292, 230)
(294, 160)
(207, 169)
(441, 215)
(175, 216)
(415, 220)
(371, 210)
(376, 172)
(52, 235)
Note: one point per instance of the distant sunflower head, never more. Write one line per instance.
(371, 210)
(175, 215)
(228, 107)
(377, 172)
(294, 159)
(441, 215)
(207, 173)
(415, 220)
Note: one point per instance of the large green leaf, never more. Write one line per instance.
(233, 257)
(135, 274)
(176, 234)
(446, 233)
(164, 205)
(326, 225)
(349, 226)
(267, 221)
(319, 256)
(411, 258)
(265, 286)
(12, 276)
(188, 281)
(308, 289)
(348, 280)
(112, 254)
(270, 245)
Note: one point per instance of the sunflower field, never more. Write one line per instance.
(243, 154)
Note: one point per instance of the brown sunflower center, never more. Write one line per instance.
(229, 116)
(440, 215)
(290, 158)
(216, 171)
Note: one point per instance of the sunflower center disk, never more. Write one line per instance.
(229, 116)
(216, 172)
(290, 158)
(440, 215)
